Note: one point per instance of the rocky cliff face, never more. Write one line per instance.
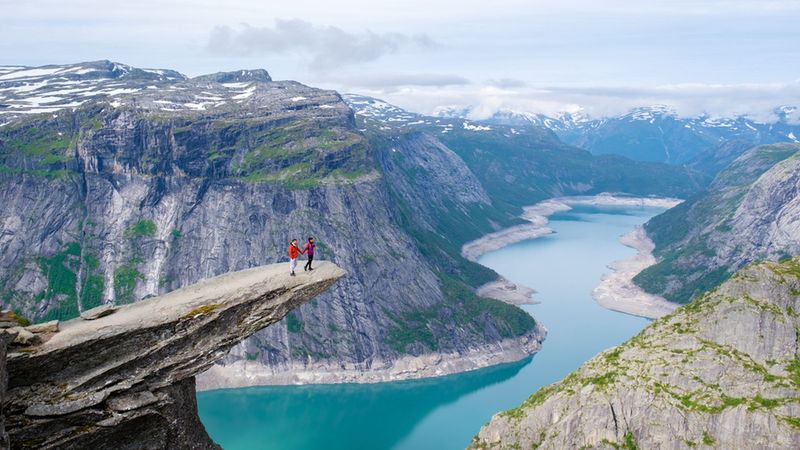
(751, 211)
(150, 182)
(99, 383)
(721, 372)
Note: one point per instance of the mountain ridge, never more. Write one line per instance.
(748, 213)
(657, 132)
(720, 372)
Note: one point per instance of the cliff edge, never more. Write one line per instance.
(126, 380)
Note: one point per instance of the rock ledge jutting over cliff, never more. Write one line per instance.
(97, 383)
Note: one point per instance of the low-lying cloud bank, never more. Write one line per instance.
(756, 101)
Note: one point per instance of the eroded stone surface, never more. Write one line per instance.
(127, 380)
(45, 327)
(722, 372)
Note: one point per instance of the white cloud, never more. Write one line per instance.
(757, 101)
(327, 47)
(719, 56)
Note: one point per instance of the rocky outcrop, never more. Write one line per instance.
(5, 339)
(126, 380)
(750, 212)
(721, 372)
(146, 189)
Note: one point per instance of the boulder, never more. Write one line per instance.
(98, 312)
(44, 327)
(24, 337)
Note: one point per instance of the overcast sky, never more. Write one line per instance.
(722, 57)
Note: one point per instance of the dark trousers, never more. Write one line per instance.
(308, 264)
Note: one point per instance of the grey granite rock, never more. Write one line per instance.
(127, 380)
(5, 338)
(24, 337)
(98, 312)
(750, 212)
(161, 181)
(44, 327)
(721, 372)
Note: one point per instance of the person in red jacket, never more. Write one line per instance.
(294, 252)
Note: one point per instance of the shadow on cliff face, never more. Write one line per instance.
(343, 416)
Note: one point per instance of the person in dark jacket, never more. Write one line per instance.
(308, 249)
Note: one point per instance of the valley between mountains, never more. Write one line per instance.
(120, 184)
(130, 183)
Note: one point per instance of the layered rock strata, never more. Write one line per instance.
(126, 380)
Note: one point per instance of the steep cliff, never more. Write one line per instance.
(156, 182)
(721, 372)
(751, 211)
(126, 380)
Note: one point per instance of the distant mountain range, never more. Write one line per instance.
(655, 133)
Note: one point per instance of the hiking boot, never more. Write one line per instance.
(292, 274)
(310, 268)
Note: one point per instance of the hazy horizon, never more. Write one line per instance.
(723, 58)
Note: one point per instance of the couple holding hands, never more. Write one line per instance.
(295, 251)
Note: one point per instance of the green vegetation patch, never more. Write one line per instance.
(293, 324)
(656, 278)
(468, 306)
(142, 228)
(126, 276)
(46, 144)
(536, 399)
(41, 173)
(61, 271)
(628, 442)
(603, 380)
(414, 327)
(768, 403)
(789, 267)
(301, 155)
(794, 422)
(794, 372)
(21, 321)
(461, 307)
(702, 400)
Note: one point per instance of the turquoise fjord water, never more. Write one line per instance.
(444, 413)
